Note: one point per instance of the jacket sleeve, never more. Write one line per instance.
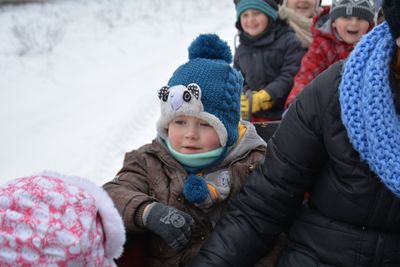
(130, 189)
(280, 87)
(273, 194)
(236, 65)
(312, 64)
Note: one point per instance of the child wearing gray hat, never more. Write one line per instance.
(335, 32)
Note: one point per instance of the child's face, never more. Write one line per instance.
(253, 22)
(190, 135)
(305, 8)
(351, 29)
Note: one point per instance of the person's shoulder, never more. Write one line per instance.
(325, 85)
(248, 144)
(320, 96)
(334, 71)
(284, 33)
(153, 152)
(283, 28)
(249, 138)
(154, 147)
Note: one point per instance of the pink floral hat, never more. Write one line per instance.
(55, 220)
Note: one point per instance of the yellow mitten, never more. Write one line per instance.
(261, 101)
(244, 106)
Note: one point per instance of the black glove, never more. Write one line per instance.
(172, 225)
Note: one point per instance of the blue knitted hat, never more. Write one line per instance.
(268, 7)
(206, 87)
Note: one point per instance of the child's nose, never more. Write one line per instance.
(192, 132)
(354, 20)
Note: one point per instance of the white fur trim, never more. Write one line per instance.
(398, 42)
(111, 220)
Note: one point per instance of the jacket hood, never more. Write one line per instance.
(249, 141)
(322, 25)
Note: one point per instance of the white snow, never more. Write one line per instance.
(79, 79)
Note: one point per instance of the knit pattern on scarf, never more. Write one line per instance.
(368, 110)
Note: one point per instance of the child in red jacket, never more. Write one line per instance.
(335, 32)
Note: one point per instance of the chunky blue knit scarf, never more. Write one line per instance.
(368, 110)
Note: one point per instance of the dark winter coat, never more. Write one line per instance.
(351, 218)
(270, 62)
(152, 174)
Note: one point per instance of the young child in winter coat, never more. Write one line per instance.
(299, 14)
(268, 56)
(56, 220)
(336, 30)
(340, 142)
(175, 189)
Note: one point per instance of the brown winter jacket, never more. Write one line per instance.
(152, 174)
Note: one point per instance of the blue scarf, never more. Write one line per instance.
(368, 110)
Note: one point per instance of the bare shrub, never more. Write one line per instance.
(37, 36)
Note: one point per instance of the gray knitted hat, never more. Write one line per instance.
(363, 9)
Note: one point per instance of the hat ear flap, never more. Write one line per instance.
(195, 90)
(163, 93)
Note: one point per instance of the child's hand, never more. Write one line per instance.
(172, 225)
(244, 106)
(261, 101)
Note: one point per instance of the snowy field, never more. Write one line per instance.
(79, 78)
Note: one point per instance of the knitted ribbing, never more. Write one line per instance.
(367, 106)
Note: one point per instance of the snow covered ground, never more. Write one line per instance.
(78, 79)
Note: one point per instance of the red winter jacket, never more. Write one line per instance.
(324, 50)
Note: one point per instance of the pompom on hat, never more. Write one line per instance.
(55, 220)
(363, 9)
(206, 87)
(391, 11)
